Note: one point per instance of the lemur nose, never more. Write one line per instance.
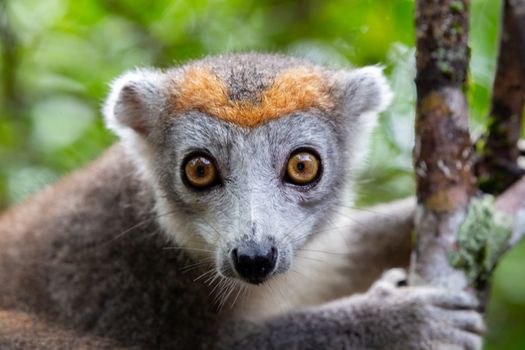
(254, 262)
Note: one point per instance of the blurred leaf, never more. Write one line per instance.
(59, 121)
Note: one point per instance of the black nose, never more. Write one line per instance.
(254, 262)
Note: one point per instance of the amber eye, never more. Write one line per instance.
(303, 168)
(200, 171)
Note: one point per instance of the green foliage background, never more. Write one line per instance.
(57, 57)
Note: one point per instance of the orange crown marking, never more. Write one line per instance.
(296, 89)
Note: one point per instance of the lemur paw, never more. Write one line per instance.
(390, 281)
(428, 317)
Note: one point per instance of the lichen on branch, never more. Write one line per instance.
(482, 239)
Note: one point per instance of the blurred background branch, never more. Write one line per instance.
(11, 98)
(497, 167)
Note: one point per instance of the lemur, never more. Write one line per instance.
(223, 219)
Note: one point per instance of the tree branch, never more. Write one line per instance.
(459, 241)
(512, 202)
(497, 167)
(442, 153)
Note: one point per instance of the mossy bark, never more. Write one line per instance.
(443, 150)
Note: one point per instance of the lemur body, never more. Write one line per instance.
(223, 220)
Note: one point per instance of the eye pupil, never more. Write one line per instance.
(200, 170)
(300, 166)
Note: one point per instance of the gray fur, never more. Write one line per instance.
(124, 251)
(254, 194)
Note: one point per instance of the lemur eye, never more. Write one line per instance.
(200, 171)
(303, 168)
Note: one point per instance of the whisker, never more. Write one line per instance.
(301, 274)
(210, 280)
(224, 288)
(227, 295)
(141, 223)
(220, 280)
(194, 266)
(289, 231)
(241, 288)
(188, 248)
(322, 251)
(204, 274)
(369, 210)
(309, 258)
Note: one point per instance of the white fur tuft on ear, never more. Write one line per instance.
(363, 93)
(364, 90)
(135, 102)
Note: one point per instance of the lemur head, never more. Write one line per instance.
(248, 154)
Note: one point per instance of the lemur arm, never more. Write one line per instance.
(384, 240)
(386, 317)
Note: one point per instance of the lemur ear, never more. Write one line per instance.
(135, 102)
(364, 90)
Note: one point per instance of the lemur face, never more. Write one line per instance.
(248, 154)
(255, 195)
